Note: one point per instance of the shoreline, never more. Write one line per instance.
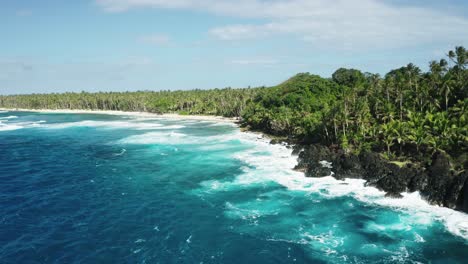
(411, 202)
(452, 219)
(126, 113)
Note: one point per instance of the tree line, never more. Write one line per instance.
(226, 102)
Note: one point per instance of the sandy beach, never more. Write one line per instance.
(138, 114)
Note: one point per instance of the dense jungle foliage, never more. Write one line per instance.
(406, 113)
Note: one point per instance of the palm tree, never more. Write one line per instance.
(416, 130)
(447, 86)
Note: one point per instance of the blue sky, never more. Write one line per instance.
(119, 45)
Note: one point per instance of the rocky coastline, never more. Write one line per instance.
(435, 181)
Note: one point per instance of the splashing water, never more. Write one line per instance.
(97, 188)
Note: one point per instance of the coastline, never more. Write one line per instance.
(286, 154)
(436, 182)
(125, 113)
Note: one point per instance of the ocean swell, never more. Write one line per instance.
(264, 164)
(456, 222)
(275, 163)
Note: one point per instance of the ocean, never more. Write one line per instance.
(92, 188)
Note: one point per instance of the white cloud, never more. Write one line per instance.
(234, 32)
(156, 39)
(344, 24)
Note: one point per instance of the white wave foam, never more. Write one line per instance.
(274, 163)
(120, 153)
(5, 127)
(211, 124)
(8, 117)
(423, 213)
(176, 138)
(115, 124)
(133, 123)
(326, 164)
(277, 166)
(19, 125)
(180, 121)
(170, 138)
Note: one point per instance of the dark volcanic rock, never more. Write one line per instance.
(463, 199)
(440, 166)
(454, 191)
(419, 179)
(274, 141)
(310, 161)
(374, 167)
(386, 176)
(438, 184)
(439, 179)
(395, 181)
(347, 166)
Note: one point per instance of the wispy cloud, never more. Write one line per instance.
(345, 24)
(155, 39)
(254, 61)
(237, 32)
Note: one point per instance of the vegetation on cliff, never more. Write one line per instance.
(407, 113)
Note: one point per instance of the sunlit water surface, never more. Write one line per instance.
(128, 189)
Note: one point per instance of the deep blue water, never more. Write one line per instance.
(82, 188)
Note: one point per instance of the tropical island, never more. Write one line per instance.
(403, 132)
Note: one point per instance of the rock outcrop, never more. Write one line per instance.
(436, 182)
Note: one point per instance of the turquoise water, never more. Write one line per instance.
(82, 188)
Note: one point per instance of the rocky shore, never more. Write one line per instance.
(436, 182)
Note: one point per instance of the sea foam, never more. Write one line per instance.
(112, 124)
(170, 138)
(273, 163)
(8, 117)
(8, 127)
(19, 125)
(278, 166)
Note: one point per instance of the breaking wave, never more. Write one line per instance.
(275, 163)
